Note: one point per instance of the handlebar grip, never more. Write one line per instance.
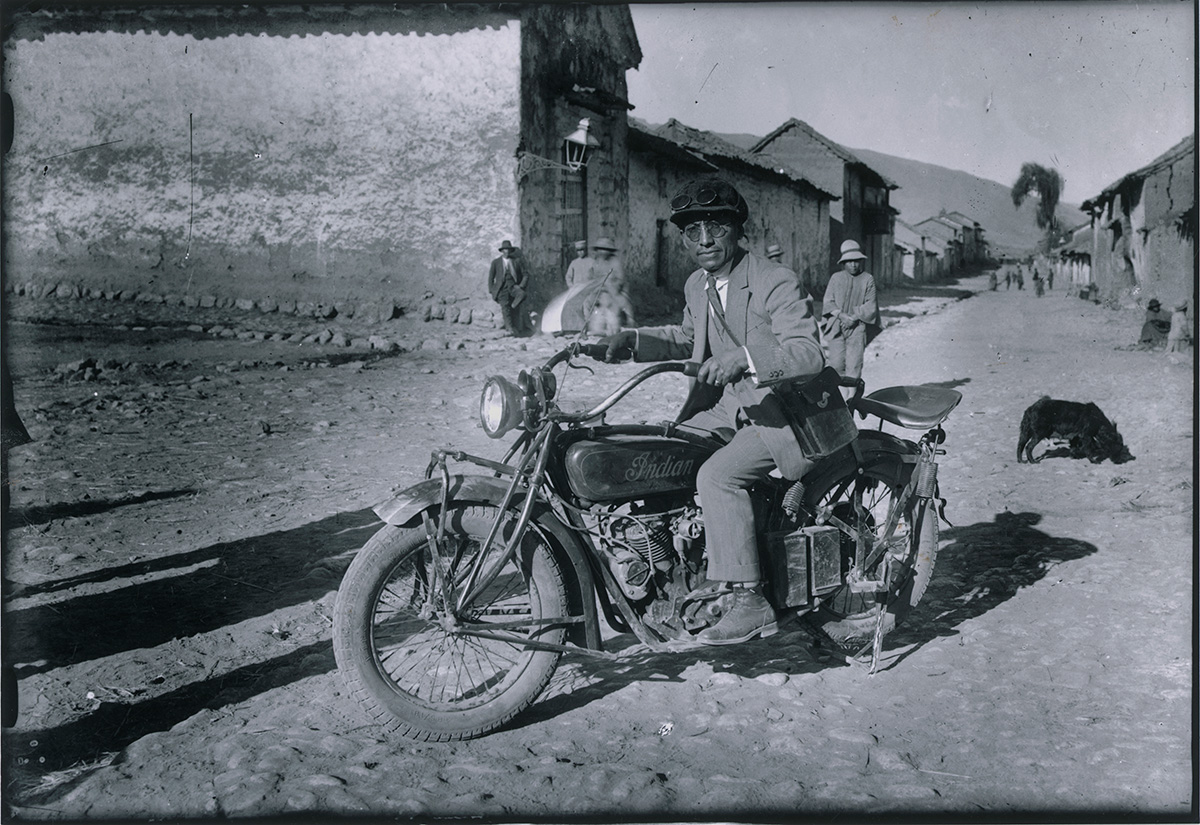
(691, 369)
(596, 351)
(599, 351)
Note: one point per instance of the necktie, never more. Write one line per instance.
(714, 301)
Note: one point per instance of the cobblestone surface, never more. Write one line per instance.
(180, 528)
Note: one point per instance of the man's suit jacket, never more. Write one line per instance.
(766, 312)
(497, 279)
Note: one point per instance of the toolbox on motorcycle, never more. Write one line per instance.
(804, 563)
(819, 416)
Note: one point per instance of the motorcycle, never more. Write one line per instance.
(452, 618)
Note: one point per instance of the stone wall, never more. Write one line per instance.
(344, 164)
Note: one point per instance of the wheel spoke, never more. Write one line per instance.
(408, 655)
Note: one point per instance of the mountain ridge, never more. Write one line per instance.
(927, 189)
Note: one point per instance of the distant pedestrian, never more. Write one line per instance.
(850, 307)
(507, 283)
(775, 253)
(1156, 326)
(607, 269)
(1037, 285)
(1020, 278)
(580, 269)
(1178, 337)
(993, 281)
(1050, 279)
(1008, 279)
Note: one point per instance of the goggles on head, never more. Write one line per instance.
(706, 196)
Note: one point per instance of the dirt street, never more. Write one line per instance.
(183, 517)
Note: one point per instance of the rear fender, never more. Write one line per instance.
(405, 509)
(876, 449)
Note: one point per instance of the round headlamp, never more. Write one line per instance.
(499, 406)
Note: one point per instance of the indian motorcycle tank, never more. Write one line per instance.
(626, 467)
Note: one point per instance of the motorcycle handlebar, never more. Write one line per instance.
(599, 352)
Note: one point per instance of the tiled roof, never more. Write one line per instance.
(707, 145)
(824, 157)
(1185, 147)
(936, 228)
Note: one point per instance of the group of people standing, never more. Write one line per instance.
(508, 284)
(1040, 284)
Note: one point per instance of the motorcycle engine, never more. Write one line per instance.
(655, 551)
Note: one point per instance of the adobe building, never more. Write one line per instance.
(863, 214)
(328, 153)
(1144, 231)
(786, 208)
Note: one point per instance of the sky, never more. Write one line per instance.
(1092, 89)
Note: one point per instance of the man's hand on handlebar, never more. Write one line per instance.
(723, 369)
(616, 347)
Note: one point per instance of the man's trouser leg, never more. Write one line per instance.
(506, 313)
(723, 484)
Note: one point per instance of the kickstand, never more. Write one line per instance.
(877, 641)
(826, 645)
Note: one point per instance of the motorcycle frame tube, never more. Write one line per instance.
(475, 582)
(419, 499)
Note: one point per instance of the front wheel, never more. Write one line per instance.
(427, 670)
(869, 499)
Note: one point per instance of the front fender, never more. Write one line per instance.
(410, 503)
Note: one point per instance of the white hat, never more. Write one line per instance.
(851, 252)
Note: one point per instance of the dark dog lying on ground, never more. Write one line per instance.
(1089, 433)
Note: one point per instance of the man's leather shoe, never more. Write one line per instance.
(750, 615)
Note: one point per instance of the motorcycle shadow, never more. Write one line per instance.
(984, 565)
(581, 680)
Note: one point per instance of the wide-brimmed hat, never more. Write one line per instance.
(1154, 304)
(604, 243)
(505, 245)
(851, 252)
(708, 198)
(1181, 306)
(774, 251)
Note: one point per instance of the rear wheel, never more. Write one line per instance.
(417, 665)
(869, 499)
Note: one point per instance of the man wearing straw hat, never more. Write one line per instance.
(849, 308)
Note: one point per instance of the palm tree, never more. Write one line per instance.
(1047, 184)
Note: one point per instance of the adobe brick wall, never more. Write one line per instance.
(327, 167)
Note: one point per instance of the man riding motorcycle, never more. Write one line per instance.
(753, 330)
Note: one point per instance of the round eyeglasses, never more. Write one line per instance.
(715, 229)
